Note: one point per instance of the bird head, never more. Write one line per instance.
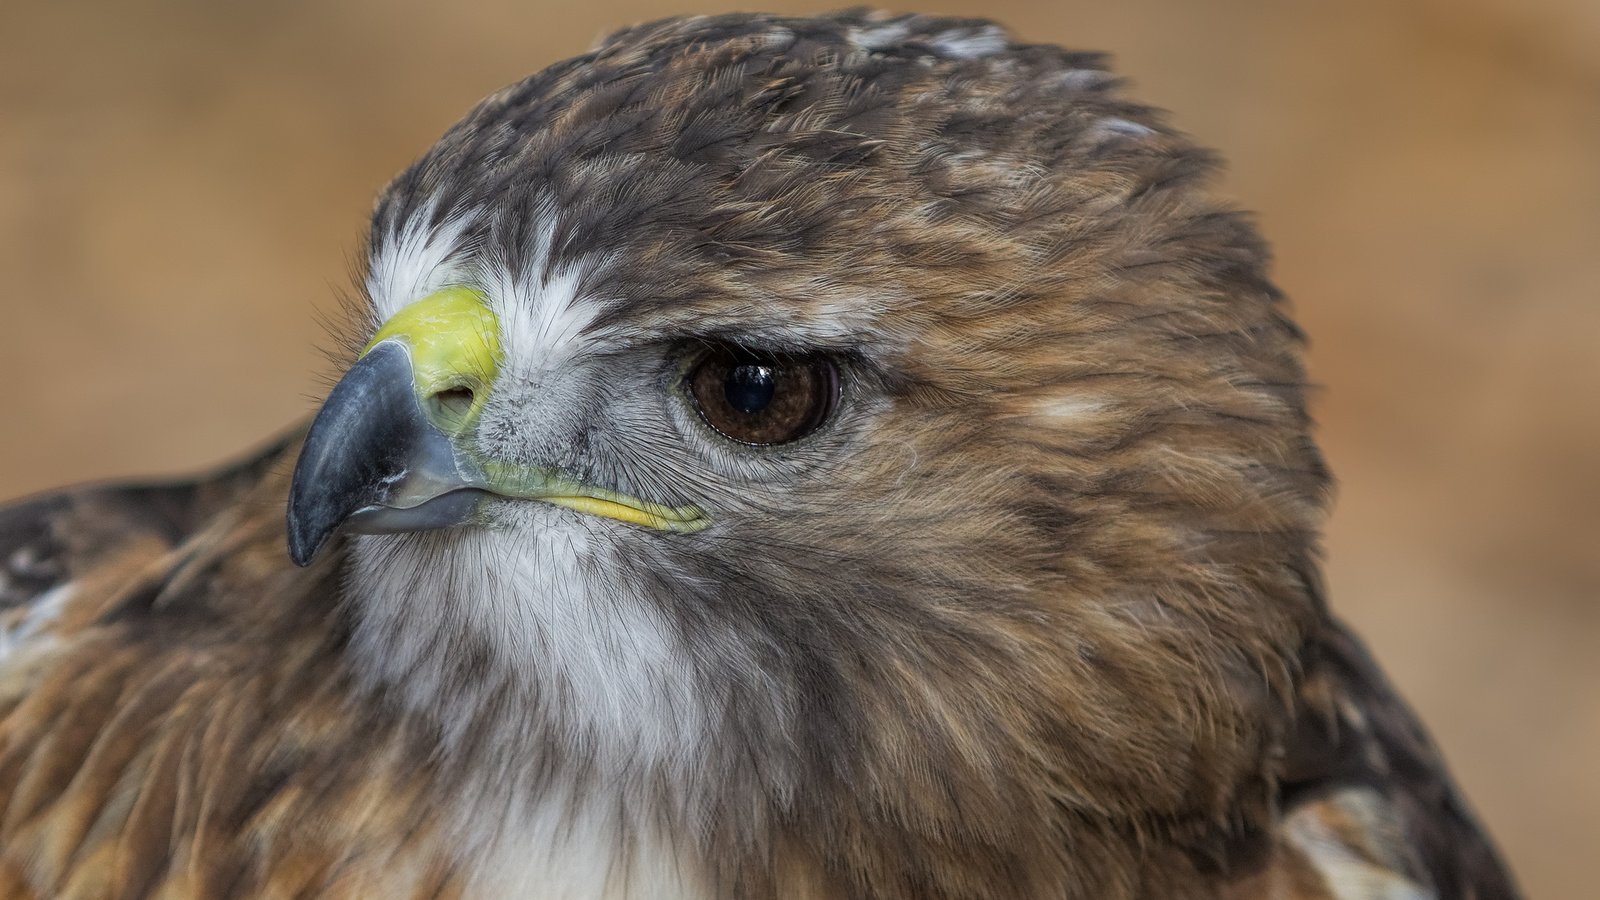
(876, 395)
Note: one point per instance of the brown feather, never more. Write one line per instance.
(1035, 616)
(186, 727)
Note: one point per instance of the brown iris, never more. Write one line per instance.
(763, 398)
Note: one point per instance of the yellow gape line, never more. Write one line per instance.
(454, 341)
(684, 520)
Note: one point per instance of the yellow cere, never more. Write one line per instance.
(454, 340)
(453, 337)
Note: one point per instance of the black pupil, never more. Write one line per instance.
(749, 388)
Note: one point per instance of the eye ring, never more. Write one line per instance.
(763, 399)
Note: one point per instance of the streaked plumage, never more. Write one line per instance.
(1033, 610)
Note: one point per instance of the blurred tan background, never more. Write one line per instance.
(183, 184)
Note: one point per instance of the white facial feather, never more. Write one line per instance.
(417, 260)
(540, 309)
(580, 666)
(544, 592)
(615, 689)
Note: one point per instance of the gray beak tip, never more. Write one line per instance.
(304, 543)
(371, 448)
(357, 443)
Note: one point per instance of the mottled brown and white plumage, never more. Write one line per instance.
(1033, 611)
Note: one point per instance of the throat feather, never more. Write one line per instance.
(567, 704)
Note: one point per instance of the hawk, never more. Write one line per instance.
(840, 457)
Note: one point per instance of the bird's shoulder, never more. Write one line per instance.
(60, 548)
(1368, 808)
(174, 706)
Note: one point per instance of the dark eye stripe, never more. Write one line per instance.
(763, 399)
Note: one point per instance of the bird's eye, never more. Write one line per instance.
(763, 398)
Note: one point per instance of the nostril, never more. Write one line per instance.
(454, 403)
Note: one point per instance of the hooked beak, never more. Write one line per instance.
(387, 454)
(373, 459)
